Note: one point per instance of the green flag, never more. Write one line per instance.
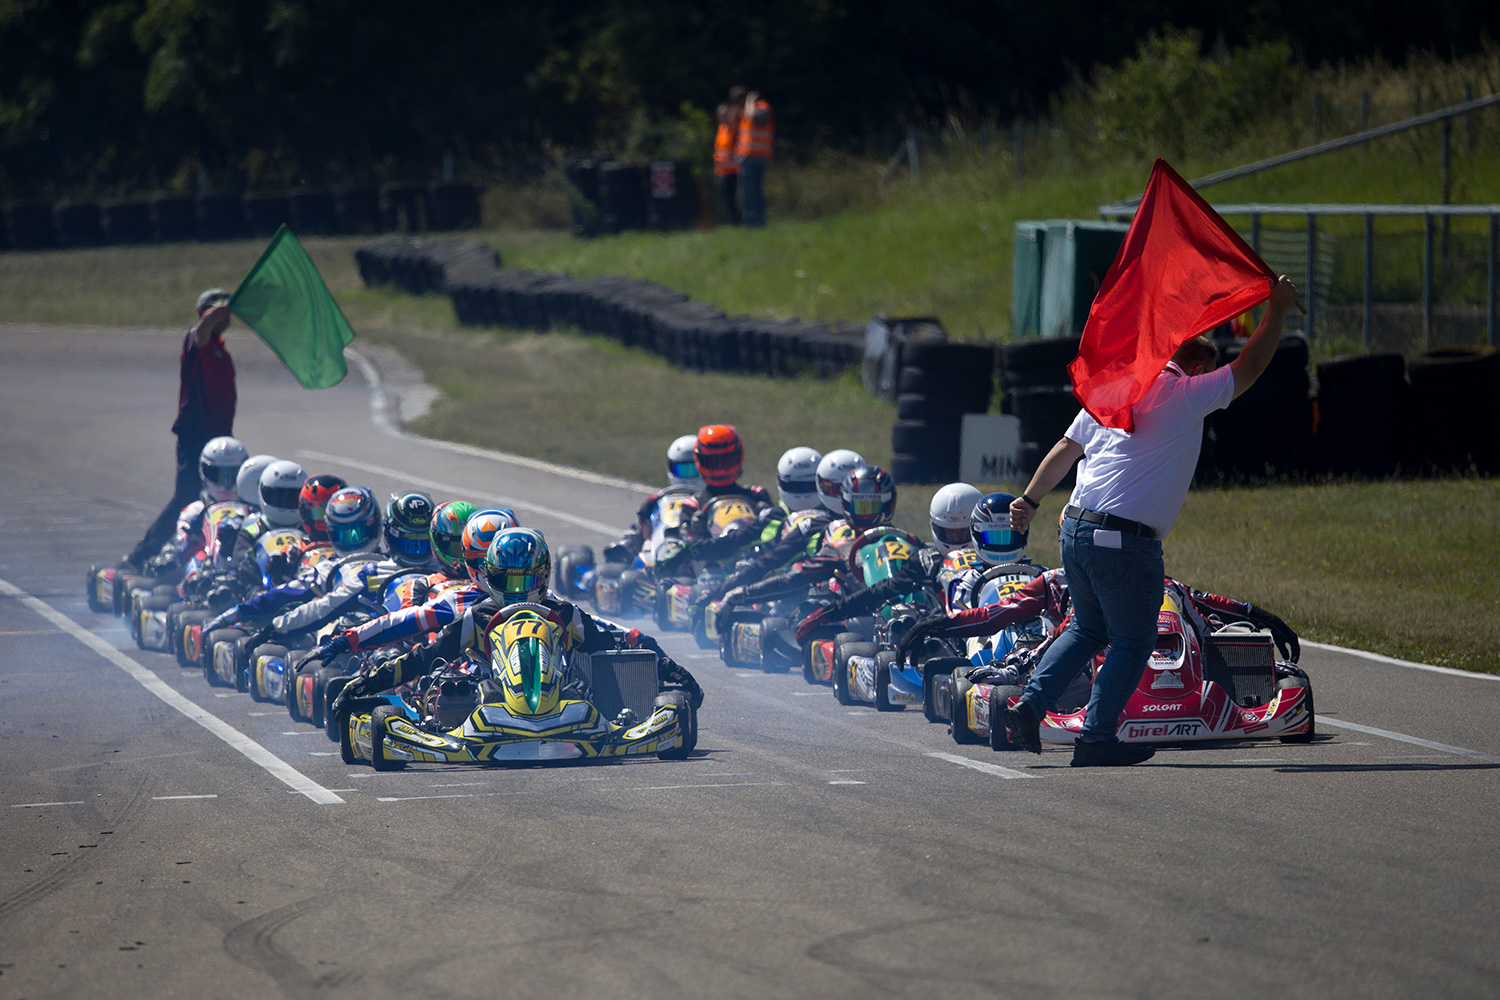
(284, 300)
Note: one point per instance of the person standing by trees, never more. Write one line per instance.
(205, 410)
(726, 162)
(757, 132)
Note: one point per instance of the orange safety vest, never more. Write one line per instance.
(724, 142)
(755, 139)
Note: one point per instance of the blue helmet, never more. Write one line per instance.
(994, 539)
(517, 566)
(353, 518)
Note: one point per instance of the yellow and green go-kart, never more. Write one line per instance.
(521, 714)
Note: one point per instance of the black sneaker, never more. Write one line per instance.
(1110, 753)
(1025, 728)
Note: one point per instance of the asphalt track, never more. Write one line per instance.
(161, 838)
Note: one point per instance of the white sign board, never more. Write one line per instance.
(990, 449)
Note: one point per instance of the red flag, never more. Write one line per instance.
(1180, 272)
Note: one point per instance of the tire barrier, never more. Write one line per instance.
(610, 197)
(1449, 387)
(1268, 431)
(1039, 392)
(170, 218)
(630, 311)
(939, 381)
(1363, 416)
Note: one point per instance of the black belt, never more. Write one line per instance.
(1110, 521)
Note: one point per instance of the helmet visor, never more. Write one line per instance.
(796, 487)
(830, 488)
(514, 581)
(284, 497)
(683, 470)
(1000, 538)
(351, 536)
(866, 506)
(219, 475)
(419, 547)
(951, 536)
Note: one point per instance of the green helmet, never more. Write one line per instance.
(448, 534)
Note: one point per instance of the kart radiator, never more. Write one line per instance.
(1244, 664)
(623, 678)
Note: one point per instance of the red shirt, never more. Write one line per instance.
(206, 394)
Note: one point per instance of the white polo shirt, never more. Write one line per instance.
(1145, 475)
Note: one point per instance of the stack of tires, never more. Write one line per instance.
(266, 212)
(1449, 388)
(1363, 421)
(311, 211)
(28, 224)
(356, 209)
(940, 381)
(1268, 431)
(77, 224)
(622, 198)
(1039, 392)
(402, 206)
(126, 221)
(174, 218)
(582, 173)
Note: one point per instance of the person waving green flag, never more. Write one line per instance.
(284, 300)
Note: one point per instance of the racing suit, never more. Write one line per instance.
(629, 544)
(800, 537)
(586, 633)
(333, 587)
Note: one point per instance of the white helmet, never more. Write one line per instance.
(831, 472)
(797, 478)
(949, 511)
(247, 483)
(219, 467)
(280, 486)
(682, 470)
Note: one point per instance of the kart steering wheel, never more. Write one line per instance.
(851, 561)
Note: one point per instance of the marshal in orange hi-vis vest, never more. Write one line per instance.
(756, 137)
(724, 156)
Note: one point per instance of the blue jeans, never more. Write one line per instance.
(1115, 595)
(753, 190)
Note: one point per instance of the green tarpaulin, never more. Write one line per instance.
(284, 300)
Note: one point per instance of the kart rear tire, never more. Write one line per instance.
(206, 653)
(772, 664)
(999, 735)
(935, 671)
(841, 655)
(962, 734)
(91, 590)
(377, 739)
(331, 689)
(156, 602)
(187, 618)
(338, 724)
(684, 705)
(883, 661)
(241, 667)
(1312, 722)
(256, 691)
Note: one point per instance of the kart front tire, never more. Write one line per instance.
(841, 655)
(377, 739)
(883, 663)
(962, 734)
(935, 672)
(257, 689)
(331, 689)
(339, 724)
(689, 716)
(999, 735)
(1312, 722)
(206, 653)
(91, 589)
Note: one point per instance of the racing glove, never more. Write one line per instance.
(332, 646)
(227, 619)
(617, 552)
(731, 598)
(669, 672)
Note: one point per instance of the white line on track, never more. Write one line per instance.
(175, 798)
(44, 805)
(380, 417)
(1324, 720)
(237, 740)
(1408, 664)
(514, 503)
(548, 791)
(995, 769)
(846, 781)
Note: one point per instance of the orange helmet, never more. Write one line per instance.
(719, 454)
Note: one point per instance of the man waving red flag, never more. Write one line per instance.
(1180, 272)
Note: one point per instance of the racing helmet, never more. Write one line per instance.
(280, 493)
(247, 480)
(989, 526)
(682, 468)
(719, 454)
(797, 478)
(353, 519)
(832, 469)
(278, 554)
(448, 520)
(517, 566)
(312, 504)
(219, 468)
(869, 497)
(408, 528)
(479, 531)
(950, 512)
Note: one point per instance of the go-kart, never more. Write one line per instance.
(521, 713)
(1232, 688)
